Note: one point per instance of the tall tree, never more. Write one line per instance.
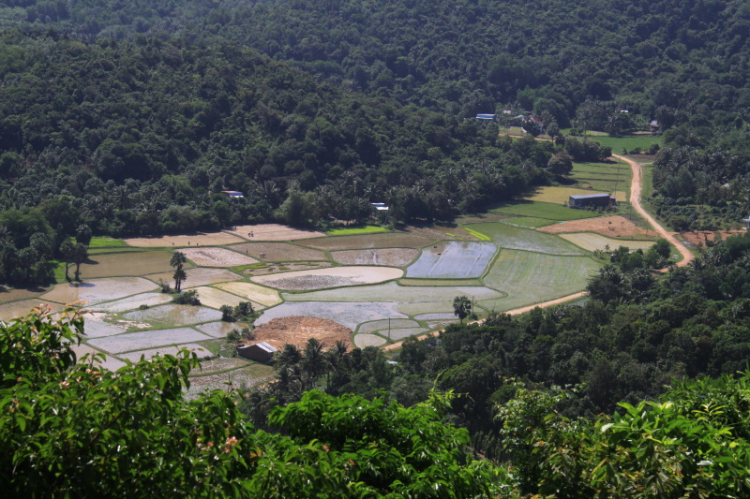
(178, 261)
(80, 254)
(462, 307)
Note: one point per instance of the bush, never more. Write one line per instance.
(187, 298)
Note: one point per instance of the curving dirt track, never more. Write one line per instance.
(635, 201)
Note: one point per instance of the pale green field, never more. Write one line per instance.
(353, 231)
(612, 177)
(592, 242)
(539, 209)
(508, 236)
(536, 277)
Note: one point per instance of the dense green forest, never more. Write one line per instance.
(131, 117)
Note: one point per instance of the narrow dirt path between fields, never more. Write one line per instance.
(635, 201)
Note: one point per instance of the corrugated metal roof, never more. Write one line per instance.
(589, 196)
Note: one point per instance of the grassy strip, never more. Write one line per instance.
(355, 231)
(478, 235)
(538, 209)
(531, 222)
(106, 242)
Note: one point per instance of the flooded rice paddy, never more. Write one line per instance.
(453, 259)
(174, 315)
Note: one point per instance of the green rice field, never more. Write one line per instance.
(518, 238)
(535, 277)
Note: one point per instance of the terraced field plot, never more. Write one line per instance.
(439, 282)
(452, 259)
(198, 239)
(109, 362)
(174, 315)
(253, 292)
(507, 236)
(215, 298)
(217, 257)
(369, 340)
(99, 290)
(230, 380)
(386, 240)
(22, 308)
(145, 340)
(170, 350)
(95, 327)
(198, 277)
(328, 278)
(374, 326)
(603, 177)
(125, 264)
(279, 252)
(400, 334)
(531, 222)
(133, 302)
(392, 257)
(272, 232)
(9, 295)
(218, 329)
(592, 242)
(536, 277)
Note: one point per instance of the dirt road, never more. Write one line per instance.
(635, 201)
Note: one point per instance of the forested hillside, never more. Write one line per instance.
(682, 64)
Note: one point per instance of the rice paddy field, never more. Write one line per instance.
(518, 238)
(374, 282)
(452, 259)
(540, 209)
(279, 252)
(386, 240)
(612, 177)
(539, 276)
(124, 264)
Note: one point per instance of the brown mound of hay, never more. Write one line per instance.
(296, 330)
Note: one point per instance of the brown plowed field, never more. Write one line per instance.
(700, 238)
(614, 226)
(296, 330)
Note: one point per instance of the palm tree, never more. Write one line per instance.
(289, 356)
(177, 261)
(314, 362)
(80, 255)
(461, 307)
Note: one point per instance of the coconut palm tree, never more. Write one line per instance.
(177, 261)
